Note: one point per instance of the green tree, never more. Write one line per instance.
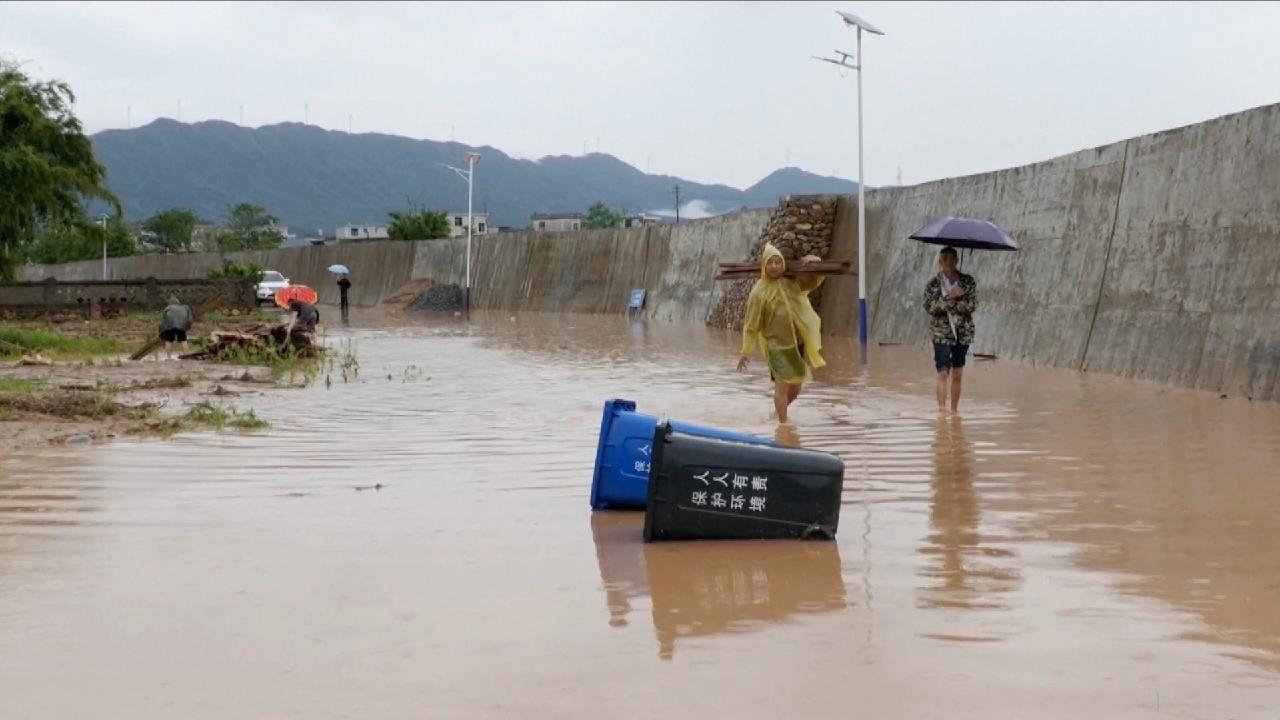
(420, 224)
(71, 240)
(249, 227)
(47, 168)
(247, 270)
(174, 228)
(599, 216)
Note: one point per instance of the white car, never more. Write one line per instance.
(272, 282)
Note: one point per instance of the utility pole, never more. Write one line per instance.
(677, 192)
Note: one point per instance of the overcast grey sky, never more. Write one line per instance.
(713, 92)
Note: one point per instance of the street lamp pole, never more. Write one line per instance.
(859, 25)
(469, 176)
(102, 223)
(862, 214)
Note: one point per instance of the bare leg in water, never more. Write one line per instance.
(957, 376)
(783, 395)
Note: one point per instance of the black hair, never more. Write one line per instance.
(949, 251)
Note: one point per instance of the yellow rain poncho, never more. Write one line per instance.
(783, 324)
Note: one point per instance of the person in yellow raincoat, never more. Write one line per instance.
(781, 322)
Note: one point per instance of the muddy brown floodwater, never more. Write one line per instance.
(1075, 546)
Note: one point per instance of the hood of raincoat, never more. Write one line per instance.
(785, 294)
(768, 252)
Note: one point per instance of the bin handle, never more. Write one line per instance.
(817, 532)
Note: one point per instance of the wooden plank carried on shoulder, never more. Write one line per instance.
(751, 269)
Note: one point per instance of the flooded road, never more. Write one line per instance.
(1073, 545)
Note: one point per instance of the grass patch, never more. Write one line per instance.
(19, 397)
(204, 416)
(287, 363)
(343, 361)
(220, 417)
(21, 386)
(16, 341)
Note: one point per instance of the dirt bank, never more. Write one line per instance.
(67, 380)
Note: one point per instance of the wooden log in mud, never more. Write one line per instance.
(253, 339)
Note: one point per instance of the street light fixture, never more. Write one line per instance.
(471, 159)
(102, 223)
(851, 20)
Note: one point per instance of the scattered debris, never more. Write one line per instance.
(256, 338)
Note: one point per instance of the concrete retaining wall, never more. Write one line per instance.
(1155, 258)
(594, 271)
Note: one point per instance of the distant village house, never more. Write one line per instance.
(640, 220)
(557, 222)
(479, 222)
(353, 233)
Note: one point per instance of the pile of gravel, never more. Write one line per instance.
(441, 298)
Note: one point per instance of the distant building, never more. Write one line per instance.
(479, 222)
(204, 238)
(295, 241)
(351, 233)
(558, 222)
(640, 220)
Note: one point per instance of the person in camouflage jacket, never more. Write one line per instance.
(950, 298)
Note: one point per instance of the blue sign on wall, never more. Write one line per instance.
(637, 300)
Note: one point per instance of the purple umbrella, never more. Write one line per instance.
(965, 233)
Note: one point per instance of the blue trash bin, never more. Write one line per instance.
(621, 480)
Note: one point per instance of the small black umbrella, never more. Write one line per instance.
(965, 233)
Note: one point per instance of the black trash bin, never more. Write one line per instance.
(702, 488)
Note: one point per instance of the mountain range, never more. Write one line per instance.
(314, 179)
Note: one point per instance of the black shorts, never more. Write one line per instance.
(173, 335)
(946, 356)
